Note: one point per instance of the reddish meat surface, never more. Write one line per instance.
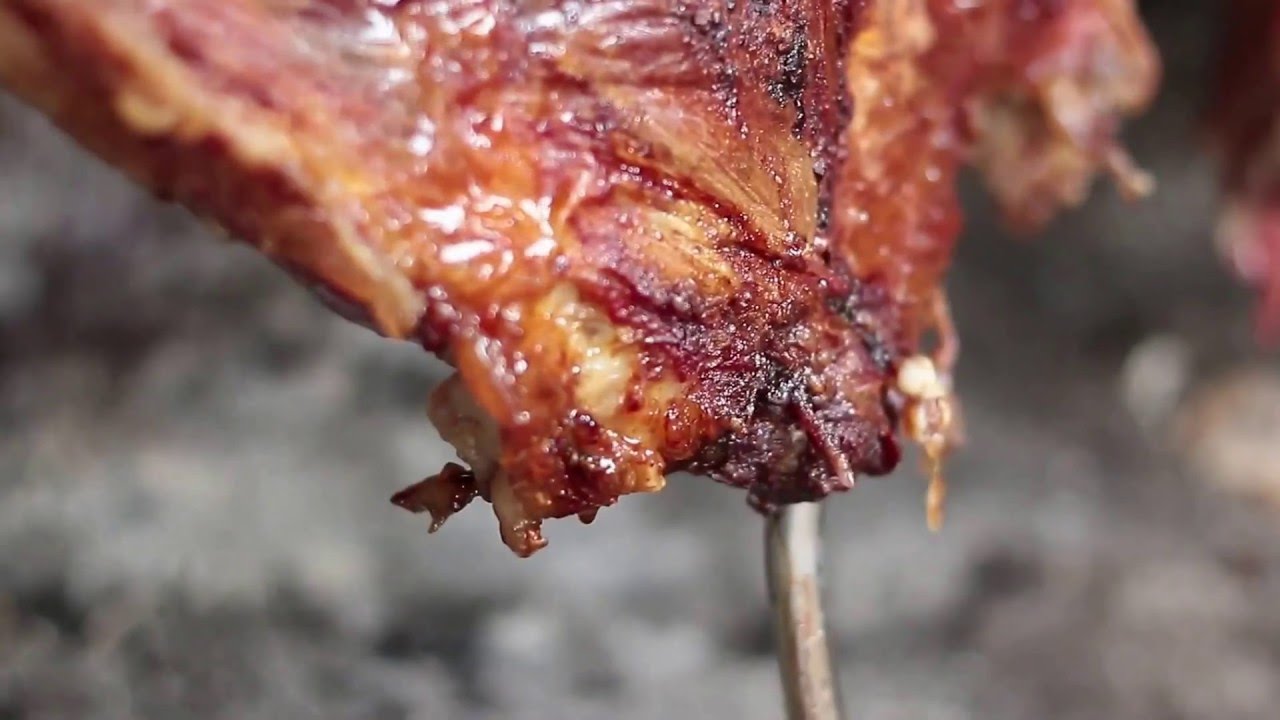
(1246, 124)
(650, 235)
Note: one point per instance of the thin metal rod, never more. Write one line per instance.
(793, 539)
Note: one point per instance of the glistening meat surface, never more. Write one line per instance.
(649, 235)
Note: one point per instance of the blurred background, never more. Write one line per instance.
(195, 461)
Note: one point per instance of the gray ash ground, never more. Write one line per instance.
(195, 461)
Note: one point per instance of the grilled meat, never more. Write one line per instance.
(650, 235)
(1246, 125)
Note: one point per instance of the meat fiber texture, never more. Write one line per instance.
(649, 236)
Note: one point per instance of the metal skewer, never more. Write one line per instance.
(792, 547)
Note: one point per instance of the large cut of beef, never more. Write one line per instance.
(649, 235)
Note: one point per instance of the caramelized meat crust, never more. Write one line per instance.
(650, 235)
